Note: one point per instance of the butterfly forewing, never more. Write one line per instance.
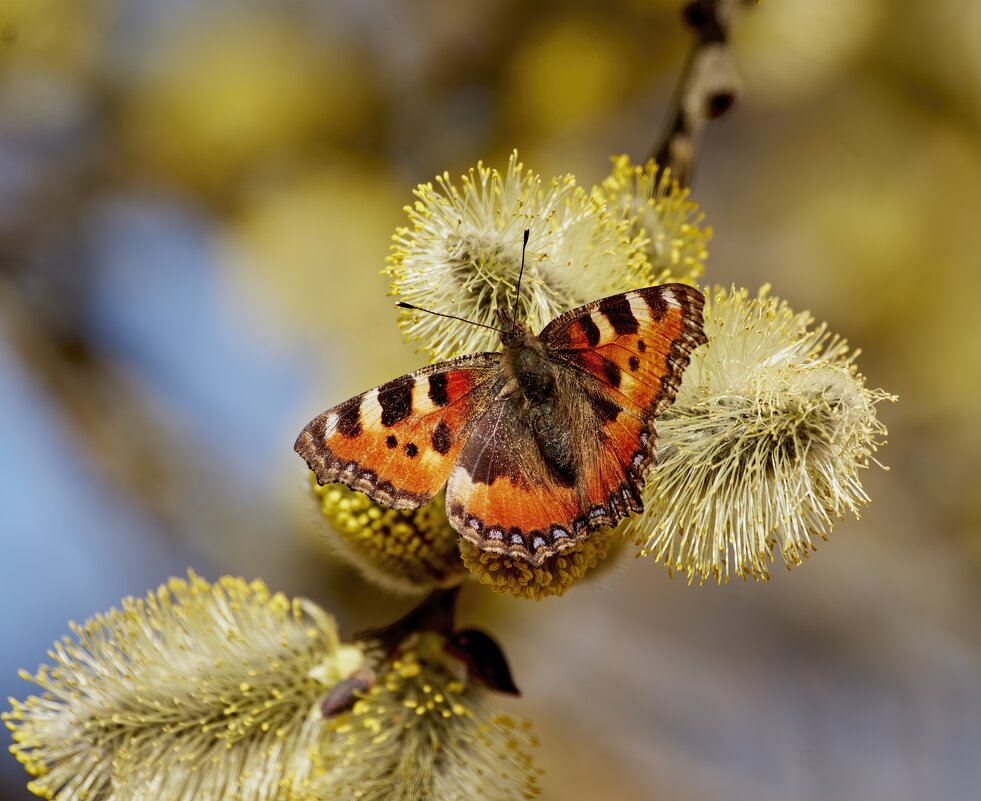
(637, 344)
(514, 492)
(398, 442)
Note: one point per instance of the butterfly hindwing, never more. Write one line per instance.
(534, 480)
(502, 496)
(398, 442)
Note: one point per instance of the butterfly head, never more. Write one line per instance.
(511, 330)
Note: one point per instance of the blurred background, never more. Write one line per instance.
(196, 200)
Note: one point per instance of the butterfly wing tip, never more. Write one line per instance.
(303, 445)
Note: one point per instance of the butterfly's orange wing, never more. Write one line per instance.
(398, 442)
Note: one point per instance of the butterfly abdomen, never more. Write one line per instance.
(556, 442)
(538, 402)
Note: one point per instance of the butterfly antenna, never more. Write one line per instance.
(403, 305)
(521, 272)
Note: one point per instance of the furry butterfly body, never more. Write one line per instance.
(537, 445)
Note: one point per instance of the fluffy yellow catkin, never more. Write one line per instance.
(196, 692)
(426, 732)
(461, 254)
(764, 446)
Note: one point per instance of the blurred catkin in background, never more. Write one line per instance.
(196, 204)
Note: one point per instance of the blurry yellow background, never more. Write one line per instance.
(196, 200)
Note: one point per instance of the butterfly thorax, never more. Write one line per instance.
(525, 362)
(529, 370)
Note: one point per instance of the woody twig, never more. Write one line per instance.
(706, 89)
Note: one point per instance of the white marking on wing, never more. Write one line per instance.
(607, 334)
(371, 409)
(639, 308)
(421, 403)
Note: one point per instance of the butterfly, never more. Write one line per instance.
(537, 445)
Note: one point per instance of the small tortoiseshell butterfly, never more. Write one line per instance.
(538, 445)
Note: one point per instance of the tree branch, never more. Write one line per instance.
(706, 88)
(477, 649)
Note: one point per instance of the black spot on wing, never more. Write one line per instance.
(437, 389)
(411, 450)
(590, 329)
(617, 311)
(612, 372)
(442, 438)
(657, 304)
(395, 399)
(606, 409)
(392, 441)
(634, 363)
(349, 418)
